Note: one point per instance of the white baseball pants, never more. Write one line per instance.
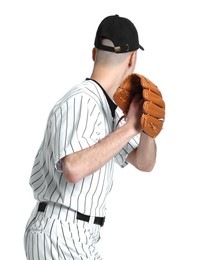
(56, 234)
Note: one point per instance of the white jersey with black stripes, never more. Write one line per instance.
(79, 119)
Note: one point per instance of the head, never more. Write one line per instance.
(116, 43)
(111, 59)
(121, 32)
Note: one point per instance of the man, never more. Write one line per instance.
(73, 169)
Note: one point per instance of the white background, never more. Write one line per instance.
(45, 49)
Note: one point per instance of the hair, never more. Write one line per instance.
(110, 58)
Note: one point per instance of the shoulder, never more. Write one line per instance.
(85, 88)
(83, 92)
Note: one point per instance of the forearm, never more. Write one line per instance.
(85, 162)
(144, 157)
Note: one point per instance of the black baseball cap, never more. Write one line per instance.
(121, 31)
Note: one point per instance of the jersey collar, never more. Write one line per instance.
(111, 104)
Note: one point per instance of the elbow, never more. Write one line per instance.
(146, 168)
(70, 177)
(143, 166)
(70, 173)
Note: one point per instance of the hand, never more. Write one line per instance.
(135, 112)
(145, 102)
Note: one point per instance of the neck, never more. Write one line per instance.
(110, 82)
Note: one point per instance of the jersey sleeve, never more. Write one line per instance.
(75, 125)
(120, 158)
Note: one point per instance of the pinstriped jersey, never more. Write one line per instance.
(78, 120)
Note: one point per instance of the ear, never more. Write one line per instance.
(94, 54)
(132, 59)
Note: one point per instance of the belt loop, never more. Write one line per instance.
(91, 221)
(42, 206)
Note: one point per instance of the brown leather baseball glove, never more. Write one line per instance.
(153, 113)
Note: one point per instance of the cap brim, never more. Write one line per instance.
(141, 47)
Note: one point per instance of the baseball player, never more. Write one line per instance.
(73, 169)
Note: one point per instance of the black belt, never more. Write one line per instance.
(97, 220)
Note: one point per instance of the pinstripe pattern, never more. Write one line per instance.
(79, 119)
(76, 122)
(57, 234)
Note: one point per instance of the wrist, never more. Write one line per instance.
(130, 130)
(146, 135)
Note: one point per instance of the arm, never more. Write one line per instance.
(85, 162)
(144, 157)
(80, 164)
(150, 117)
